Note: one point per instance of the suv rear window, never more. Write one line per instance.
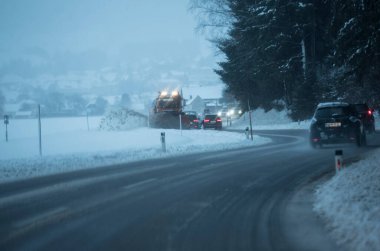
(361, 107)
(328, 112)
(210, 117)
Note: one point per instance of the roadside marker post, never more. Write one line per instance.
(163, 143)
(250, 120)
(338, 160)
(247, 132)
(6, 122)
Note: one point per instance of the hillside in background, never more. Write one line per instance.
(66, 82)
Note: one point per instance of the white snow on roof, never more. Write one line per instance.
(271, 120)
(329, 104)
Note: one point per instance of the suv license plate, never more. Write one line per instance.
(335, 124)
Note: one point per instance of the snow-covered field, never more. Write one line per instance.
(68, 145)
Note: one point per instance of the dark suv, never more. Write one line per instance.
(336, 122)
(212, 121)
(366, 115)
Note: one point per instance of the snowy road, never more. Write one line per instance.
(241, 199)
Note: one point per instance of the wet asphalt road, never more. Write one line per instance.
(257, 198)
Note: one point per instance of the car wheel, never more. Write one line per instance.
(364, 139)
(373, 130)
(313, 145)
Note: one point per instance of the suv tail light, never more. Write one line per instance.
(207, 120)
(218, 120)
(196, 120)
(369, 112)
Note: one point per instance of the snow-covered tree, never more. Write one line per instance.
(356, 27)
(301, 52)
(271, 54)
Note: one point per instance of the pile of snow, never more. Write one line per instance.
(67, 145)
(122, 119)
(350, 201)
(271, 120)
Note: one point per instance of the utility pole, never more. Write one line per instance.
(39, 129)
(250, 120)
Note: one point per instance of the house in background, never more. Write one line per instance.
(24, 110)
(196, 104)
(203, 98)
(25, 114)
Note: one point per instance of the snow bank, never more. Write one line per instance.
(350, 202)
(122, 119)
(271, 120)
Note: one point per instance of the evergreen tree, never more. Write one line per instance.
(271, 54)
(356, 26)
(300, 52)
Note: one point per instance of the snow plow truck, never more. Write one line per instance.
(167, 111)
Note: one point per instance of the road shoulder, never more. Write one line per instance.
(305, 229)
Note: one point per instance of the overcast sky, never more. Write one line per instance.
(108, 25)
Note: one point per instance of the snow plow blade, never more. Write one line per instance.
(168, 120)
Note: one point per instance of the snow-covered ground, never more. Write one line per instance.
(350, 201)
(270, 120)
(68, 145)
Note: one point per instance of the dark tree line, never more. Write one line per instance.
(295, 54)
